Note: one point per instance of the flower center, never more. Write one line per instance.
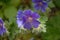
(40, 3)
(30, 19)
(0, 25)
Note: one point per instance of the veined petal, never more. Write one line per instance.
(1, 21)
(45, 4)
(27, 12)
(2, 27)
(28, 19)
(35, 1)
(36, 6)
(20, 14)
(35, 23)
(43, 9)
(35, 15)
(40, 5)
(19, 22)
(27, 25)
(2, 30)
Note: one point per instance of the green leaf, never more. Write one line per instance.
(1, 14)
(12, 19)
(57, 3)
(48, 9)
(53, 28)
(10, 12)
(13, 28)
(51, 5)
(43, 19)
(15, 3)
(5, 1)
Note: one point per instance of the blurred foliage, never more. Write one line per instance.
(1, 15)
(50, 4)
(5, 1)
(53, 28)
(15, 3)
(8, 11)
(57, 3)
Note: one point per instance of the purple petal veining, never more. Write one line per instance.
(28, 19)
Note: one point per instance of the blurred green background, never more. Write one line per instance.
(8, 11)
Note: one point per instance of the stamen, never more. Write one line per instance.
(0, 24)
(30, 19)
(40, 3)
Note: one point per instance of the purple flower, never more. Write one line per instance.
(40, 5)
(2, 28)
(28, 19)
(47, 1)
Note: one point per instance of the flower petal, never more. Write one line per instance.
(35, 15)
(45, 4)
(36, 6)
(47, 1)
(43, 9)
(35, 1)
(2, 30)
(35, 23)
(19, 22)
(20, 14)
(1, 21)
(27, 12)
(27, 25)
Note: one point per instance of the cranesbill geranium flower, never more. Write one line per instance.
(2, 28)
(28, 19)
(40, 5)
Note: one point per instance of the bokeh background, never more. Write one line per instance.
(8, 12)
